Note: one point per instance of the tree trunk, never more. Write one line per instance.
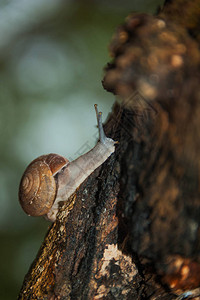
(134, 229)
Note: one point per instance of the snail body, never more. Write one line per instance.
(51, 179)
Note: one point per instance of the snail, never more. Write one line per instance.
(50, 179)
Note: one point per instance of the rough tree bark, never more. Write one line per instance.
(134, 229)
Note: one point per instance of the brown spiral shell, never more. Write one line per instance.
(37, 188)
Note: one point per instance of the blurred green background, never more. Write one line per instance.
(52, 55)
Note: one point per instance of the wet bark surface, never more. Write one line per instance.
(133, 231)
